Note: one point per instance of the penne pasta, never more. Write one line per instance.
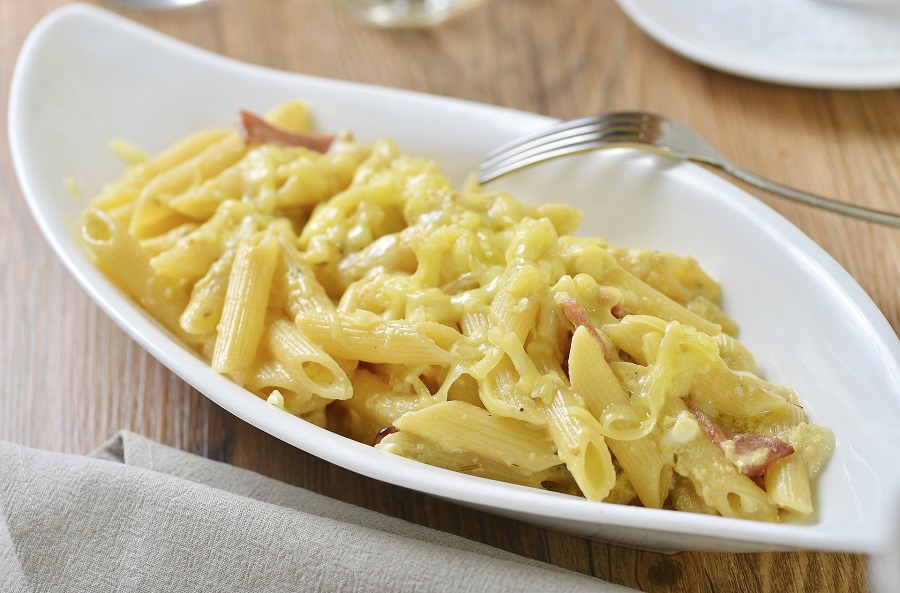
(414, 446)
(464, 427)
(393, 341)
(122, 257)
(129, 187)
(152, 210)
(304, 360)
(642, 460)
(354, 287)
(246, 300)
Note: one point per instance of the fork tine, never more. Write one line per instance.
(573, 135)
(564, 139)
(556, 141)
(598, 122)
(503, 167)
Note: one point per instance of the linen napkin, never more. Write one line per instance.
(139, 516)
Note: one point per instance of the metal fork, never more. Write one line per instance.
(652, 132)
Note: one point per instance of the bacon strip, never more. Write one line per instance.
(746, 445)
(576, 313)
(385, 432)
(256, 130)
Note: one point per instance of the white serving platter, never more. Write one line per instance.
(85, 76)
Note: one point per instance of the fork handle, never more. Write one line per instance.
(790, 193)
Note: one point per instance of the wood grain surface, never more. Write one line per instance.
(69, 378)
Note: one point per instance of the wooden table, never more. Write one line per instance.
(69, 378)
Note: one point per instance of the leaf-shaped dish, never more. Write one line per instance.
(85, 76)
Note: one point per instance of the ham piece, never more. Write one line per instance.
(752, 452)
(256, 130)
(576, 314)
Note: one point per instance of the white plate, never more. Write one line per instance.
(811, 43)
(85, 76)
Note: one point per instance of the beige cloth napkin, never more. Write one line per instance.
(138, 516)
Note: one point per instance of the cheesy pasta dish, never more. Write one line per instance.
(356, 288)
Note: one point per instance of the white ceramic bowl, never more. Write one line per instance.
(85, 76)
